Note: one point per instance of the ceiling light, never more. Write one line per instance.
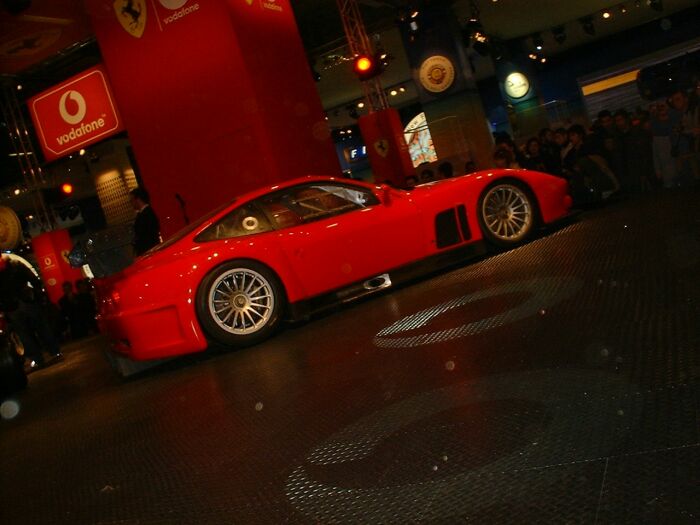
(587, 25)
(532, 56)
(606, 14)
(360, 105)
(393, 92)
(543, 60)
(656, 5)
(537, 41)
(623, 9)
(559, 34)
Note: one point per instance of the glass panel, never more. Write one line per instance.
(246, 220)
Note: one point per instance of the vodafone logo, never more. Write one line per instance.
(172, 4)
(176, 10)
(75, 113)
(78, 101)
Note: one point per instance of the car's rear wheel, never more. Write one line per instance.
(240, 303)
(507, 213)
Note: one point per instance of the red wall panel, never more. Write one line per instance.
(217, 99)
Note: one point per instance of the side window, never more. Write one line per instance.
(313, 202)
(244, 220)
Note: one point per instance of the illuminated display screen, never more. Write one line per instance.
(420, 143)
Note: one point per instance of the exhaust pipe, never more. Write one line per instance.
(377, 283)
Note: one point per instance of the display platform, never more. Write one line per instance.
(554, 383)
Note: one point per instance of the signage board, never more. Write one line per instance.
(74, 114)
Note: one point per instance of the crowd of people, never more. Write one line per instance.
(621, 152)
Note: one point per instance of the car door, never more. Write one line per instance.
(336, 233)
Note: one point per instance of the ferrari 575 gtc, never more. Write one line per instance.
(285, 251)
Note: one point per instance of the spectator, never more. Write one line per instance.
(146, 224)
(533, 156)
(550, 151)
(606, 142)
(502, 158)
(636, 172)
(661, 131)
(426, 176)
(684, 139)
(445, 170)
(67, 306)
(503, 141)
(589, 177)
(86, 308)
(561, 139)
(411, 182)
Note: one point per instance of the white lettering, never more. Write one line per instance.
(84, 129)
(271, 6)
(181, 13)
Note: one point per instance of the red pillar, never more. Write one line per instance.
(217, 97)
(387, 150)
(51, 251)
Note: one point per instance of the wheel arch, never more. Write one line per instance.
(275, 273)
(521, 183)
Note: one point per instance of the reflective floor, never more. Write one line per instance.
(555, 383)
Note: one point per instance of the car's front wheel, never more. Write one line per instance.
(507, 213)
(240, 303)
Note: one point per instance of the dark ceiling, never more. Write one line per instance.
(48, 27)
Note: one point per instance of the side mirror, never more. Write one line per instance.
(77, 257)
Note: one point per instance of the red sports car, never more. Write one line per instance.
(285, 251)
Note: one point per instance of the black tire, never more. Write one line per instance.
(508, 213)
(240, 303)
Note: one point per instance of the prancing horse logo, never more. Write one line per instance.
(131, 15)
(382, 147)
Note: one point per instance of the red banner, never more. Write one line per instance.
(75, 114)
(51, 251)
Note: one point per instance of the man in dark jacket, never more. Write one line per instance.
(20, 292)
(146, 225)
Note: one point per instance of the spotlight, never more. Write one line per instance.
(559, 34)
(537, 41)
(360, 105)
(475, 36)
(587, 25)
(623, 9)
(656, 5)
(606, 14)
(532, 56)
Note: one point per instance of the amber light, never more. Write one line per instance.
(67, 188)
(363, 64)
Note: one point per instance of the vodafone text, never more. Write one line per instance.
(179, 14)
(81, 131)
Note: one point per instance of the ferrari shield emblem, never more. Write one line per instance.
(382, 147)
(131, 15)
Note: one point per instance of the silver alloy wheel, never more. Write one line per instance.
(241, 301)
(507, 212)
